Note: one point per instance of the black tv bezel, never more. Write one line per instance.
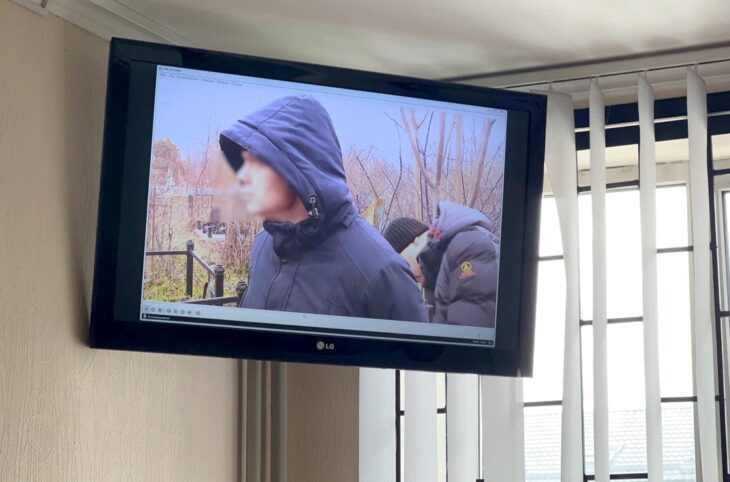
(127, 135)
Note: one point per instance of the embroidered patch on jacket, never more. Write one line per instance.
(467, 271)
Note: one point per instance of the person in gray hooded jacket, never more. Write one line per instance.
(456, 261)
(315, 254)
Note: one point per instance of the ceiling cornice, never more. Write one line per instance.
(109, 18)
(611, 66)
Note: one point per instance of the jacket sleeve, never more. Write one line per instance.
(470, 267)
(394, 295)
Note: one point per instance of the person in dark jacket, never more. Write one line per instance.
(315, 254)
(457, 263)
(409, 237)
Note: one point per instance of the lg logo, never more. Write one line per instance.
(325, 346)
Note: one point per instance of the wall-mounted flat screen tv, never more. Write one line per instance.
(267, 209)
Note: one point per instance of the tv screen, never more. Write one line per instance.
(266, 209)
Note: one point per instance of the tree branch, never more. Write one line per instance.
(481, 158)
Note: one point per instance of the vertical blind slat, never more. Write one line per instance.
(702, 312)
(266, 420)
(600, 349)
(503, 428)
(419, 441)
(254, 413)
(560, 162)
(377, 425)
(278, 422)
(462, 426)
(502, 409)
(647, 194)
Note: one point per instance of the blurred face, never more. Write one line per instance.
(265, 194)
(411, 255)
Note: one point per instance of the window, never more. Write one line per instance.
(543, 392)
(626, 389)
(627, 420)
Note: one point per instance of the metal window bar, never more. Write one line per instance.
(675, 249)
(610, 321)
(718, 306)
(545, 403)
(627, 476)
(554, 257)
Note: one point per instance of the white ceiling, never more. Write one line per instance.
(440, 38)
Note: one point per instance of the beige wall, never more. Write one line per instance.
(69, 413)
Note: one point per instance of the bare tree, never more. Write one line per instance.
(365, 171)
(478, 167)
(423, 178)
(440, 156)
(460, 194)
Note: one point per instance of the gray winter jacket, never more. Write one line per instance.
(334, 262)
(461, 264)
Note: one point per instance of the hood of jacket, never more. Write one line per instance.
(452, 219)
(295, 136)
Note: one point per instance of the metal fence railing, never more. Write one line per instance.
(216, 272)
